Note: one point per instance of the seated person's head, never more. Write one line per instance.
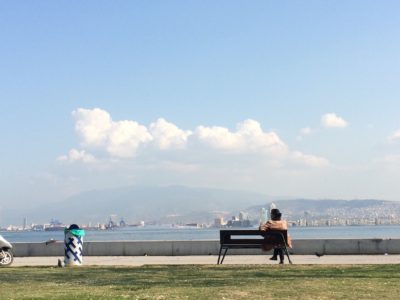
(275, 214)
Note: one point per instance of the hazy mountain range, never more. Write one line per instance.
(140, 203)
(167, 204)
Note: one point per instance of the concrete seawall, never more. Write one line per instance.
(210, 247)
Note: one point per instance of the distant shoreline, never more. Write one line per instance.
(151, 233)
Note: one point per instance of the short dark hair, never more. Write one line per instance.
(275, 214)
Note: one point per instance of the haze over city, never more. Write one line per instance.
(288, 98)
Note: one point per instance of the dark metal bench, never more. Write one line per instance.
(245, 239)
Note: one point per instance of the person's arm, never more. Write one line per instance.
(265, 226)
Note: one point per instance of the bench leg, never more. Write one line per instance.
(219, 255)
(287, 254)
(223, 257)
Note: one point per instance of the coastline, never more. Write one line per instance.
(152, 233)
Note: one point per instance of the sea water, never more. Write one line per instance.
(173, 233)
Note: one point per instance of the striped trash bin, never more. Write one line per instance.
(73, 245)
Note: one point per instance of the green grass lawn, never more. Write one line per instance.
(202, 282)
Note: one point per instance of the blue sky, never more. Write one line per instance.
(198, 65)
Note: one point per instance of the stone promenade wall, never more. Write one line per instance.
(209, 247)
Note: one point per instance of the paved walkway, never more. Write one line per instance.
(212, 259)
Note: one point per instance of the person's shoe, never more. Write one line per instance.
(281, 262)
(273, 258)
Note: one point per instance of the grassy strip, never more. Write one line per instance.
(202, 282)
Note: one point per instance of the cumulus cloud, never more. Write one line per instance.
(248, 137)
(76, 156)
(128, 139)
(92, 125)
(256, 139)
(218, 138)
(125, 137)
(121, 139)
(331, 120)
(168, 136)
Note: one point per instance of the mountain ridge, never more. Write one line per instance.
(172, 204)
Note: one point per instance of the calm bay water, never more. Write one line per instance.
(171, 233)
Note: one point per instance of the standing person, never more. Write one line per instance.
(276, 223)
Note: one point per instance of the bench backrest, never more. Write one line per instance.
(227, 237)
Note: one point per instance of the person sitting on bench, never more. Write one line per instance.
(276, 224)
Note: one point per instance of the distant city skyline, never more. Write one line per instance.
(296, 99)
(297, 212)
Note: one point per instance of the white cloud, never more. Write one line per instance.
(168, 136)
(218, 138)
(310, 160)
(256, 139)
(120, 139)
(331, 120)
(395, 136)
(125, 152)
(249, 137)
(92, 125)
(76, 155)
(129, 139)
(125, 137)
